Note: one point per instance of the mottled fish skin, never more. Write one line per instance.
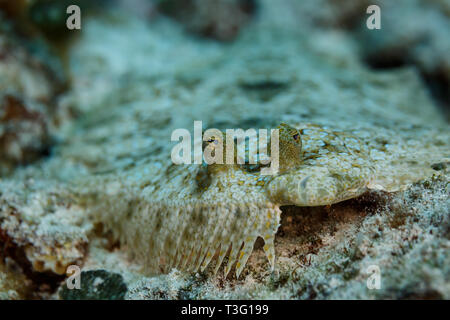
(205, 211)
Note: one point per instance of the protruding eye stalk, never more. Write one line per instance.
(290, 142)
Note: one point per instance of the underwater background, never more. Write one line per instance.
(87, 118)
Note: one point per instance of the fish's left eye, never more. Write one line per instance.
(213, 140)
(296, 136)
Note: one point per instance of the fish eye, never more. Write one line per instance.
(213, 140)
(296, 136)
